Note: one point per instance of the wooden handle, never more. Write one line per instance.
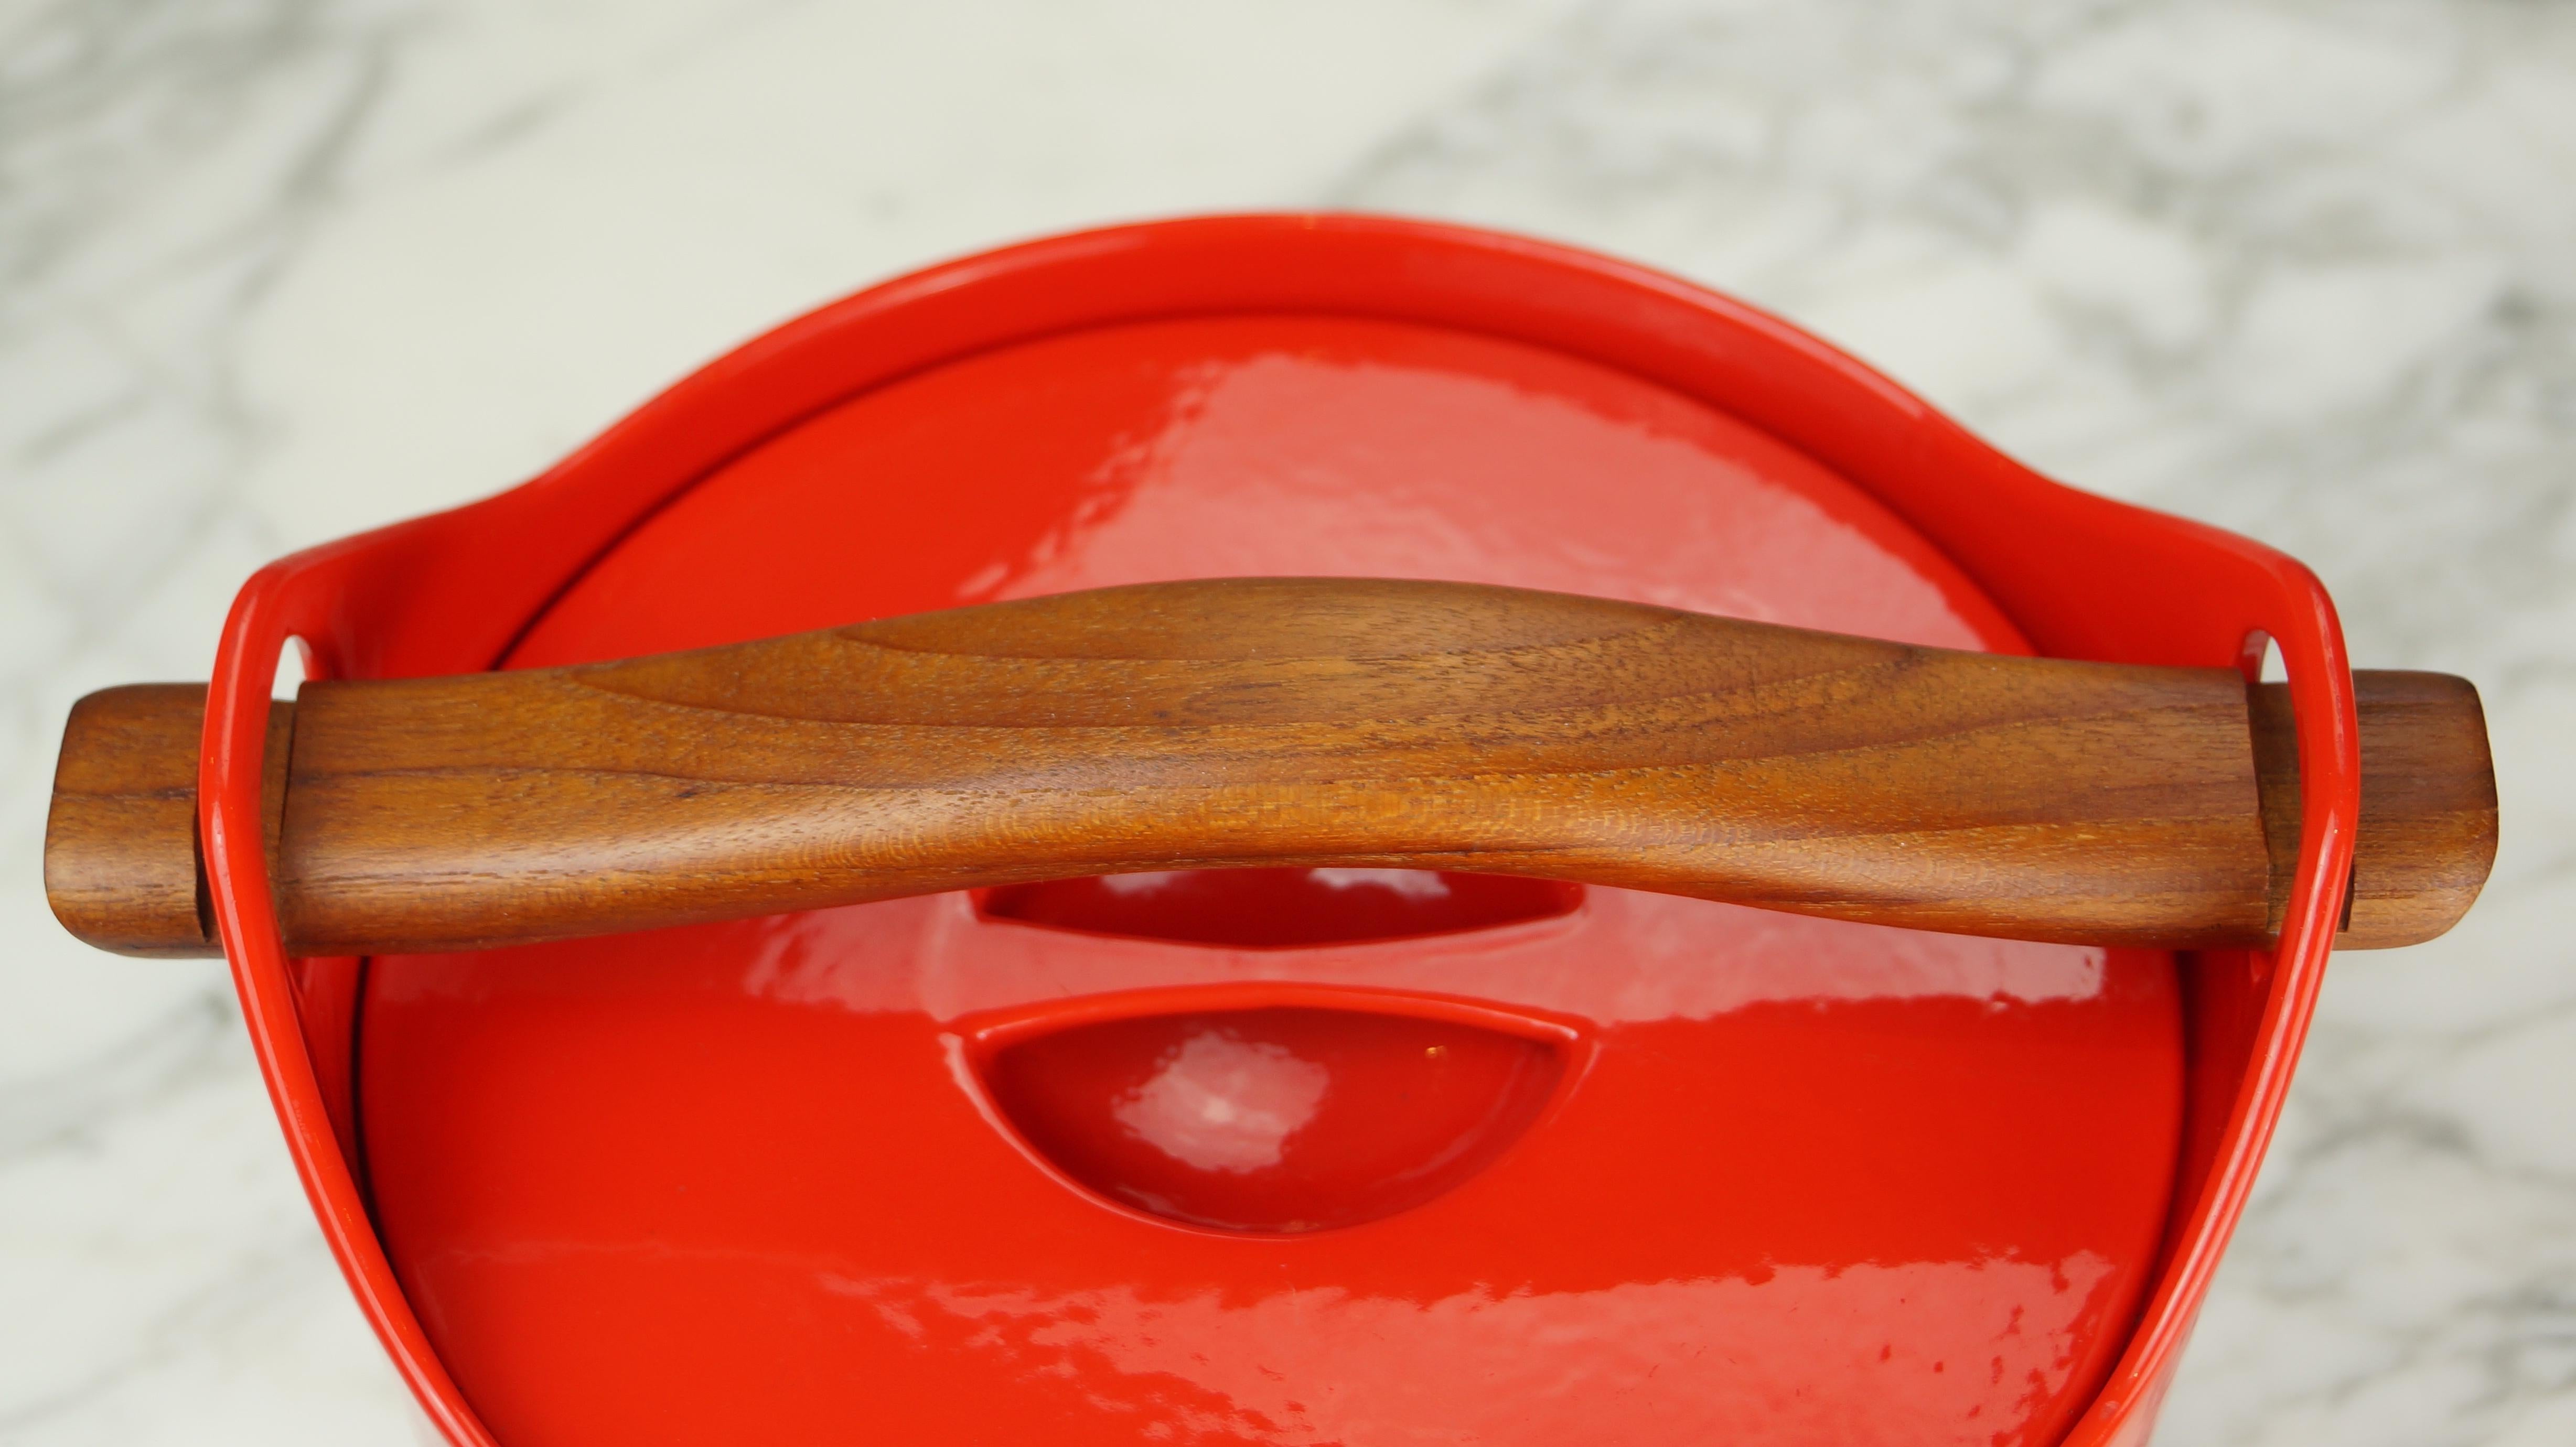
(1280, 722)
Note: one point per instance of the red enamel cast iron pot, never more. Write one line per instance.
(1327, 1156)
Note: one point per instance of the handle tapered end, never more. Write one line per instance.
(2428, 808)
(122, 867)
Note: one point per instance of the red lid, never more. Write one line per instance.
(1298, 1156)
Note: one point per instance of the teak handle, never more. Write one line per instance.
(1280, 722)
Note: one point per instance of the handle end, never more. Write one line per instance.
(123, 870)
(2427, 837)
(121, 865)
(2428, 808)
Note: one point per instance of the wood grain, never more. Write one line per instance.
(1327, 722)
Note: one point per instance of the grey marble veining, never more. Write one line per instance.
(272, 271)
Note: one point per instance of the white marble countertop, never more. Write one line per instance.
(272, 270)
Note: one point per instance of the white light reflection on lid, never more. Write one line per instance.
(1223, 1104)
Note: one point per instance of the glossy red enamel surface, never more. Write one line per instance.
(1258, 1109)
(1241, 446)
(1805, 1182)
(927, 1171)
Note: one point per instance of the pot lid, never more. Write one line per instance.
(1271, 1156)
